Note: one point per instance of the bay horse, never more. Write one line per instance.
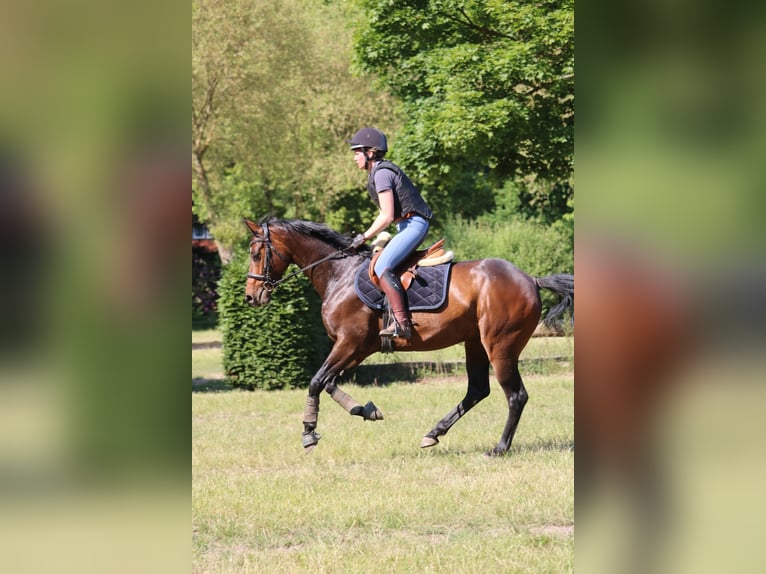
(491, 306)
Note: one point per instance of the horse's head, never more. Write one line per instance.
(265, 270)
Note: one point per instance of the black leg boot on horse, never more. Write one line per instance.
(402, 324)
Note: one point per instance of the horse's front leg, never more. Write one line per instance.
(335, 364)
(368, 412)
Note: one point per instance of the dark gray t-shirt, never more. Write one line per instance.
(407, 199)
(384, 179)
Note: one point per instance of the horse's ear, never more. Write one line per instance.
(253, 227)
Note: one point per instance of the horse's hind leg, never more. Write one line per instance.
(477, 366)
(507, 373)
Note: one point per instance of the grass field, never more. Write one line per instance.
(367, 499)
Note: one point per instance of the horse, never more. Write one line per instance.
(492, 307)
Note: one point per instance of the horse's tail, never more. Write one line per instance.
(562, 284)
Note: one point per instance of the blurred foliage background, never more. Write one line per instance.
(94, 203)
(670, 140)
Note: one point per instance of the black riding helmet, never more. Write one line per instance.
(369, 138)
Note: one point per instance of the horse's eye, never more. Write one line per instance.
(256, 256)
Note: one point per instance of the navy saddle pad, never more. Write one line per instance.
(427, 292)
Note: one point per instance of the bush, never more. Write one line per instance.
(206, 270)
(278, 346)
(534, 248)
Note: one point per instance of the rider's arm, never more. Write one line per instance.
(386, 215)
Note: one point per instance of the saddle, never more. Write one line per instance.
(408, 269)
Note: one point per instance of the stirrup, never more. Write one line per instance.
(396, 330)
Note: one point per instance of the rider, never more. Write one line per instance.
(400, 202)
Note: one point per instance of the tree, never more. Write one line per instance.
(488, 92)
(273, 101)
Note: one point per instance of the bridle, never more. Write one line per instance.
(269, 284)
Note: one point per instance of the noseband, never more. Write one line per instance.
(270, 284)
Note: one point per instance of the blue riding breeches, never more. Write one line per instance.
(411, 233)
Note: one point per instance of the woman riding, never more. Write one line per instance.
(399, 202)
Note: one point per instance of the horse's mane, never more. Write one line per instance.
(316, 230)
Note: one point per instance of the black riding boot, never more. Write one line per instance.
(402, 325)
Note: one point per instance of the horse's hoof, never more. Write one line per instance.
(371, 412)
(497, 451)
(309, 440)
(428, 441)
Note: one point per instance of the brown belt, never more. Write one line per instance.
(406, 216)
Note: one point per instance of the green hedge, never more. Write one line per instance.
(278, 346)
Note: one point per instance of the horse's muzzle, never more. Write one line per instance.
(262, 297)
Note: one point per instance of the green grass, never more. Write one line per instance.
(367, 499)
(206, 336)
(206, 363)
(207, 358)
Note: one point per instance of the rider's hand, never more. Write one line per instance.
(358, 241)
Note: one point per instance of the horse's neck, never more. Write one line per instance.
(304, 253)
(324, 275)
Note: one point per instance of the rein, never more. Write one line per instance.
(271, 284)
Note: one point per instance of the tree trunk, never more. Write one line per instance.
(225, 253)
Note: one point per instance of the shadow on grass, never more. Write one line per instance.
(554, 445)
(200, 385)
(415, 371)
(409, 372)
